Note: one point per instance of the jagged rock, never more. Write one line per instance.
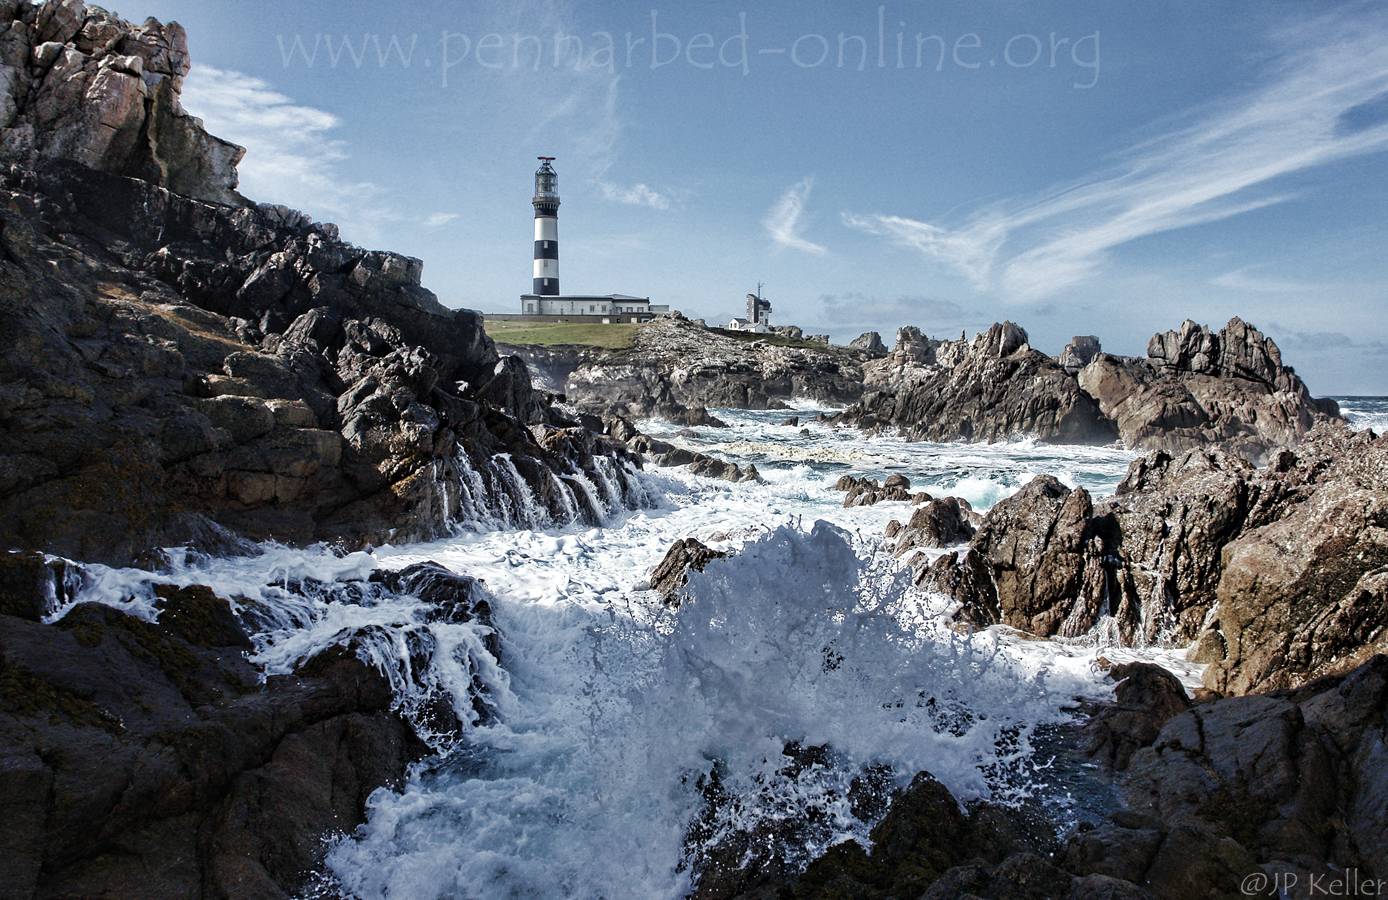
(671, 574)
(1145, 696)
(151, 760)
(695, 417)
(870, 342)
(993, 388)
(32, 586)
(1198, 388)
(867, 492)
(792, 422)
(1294, 783)
(196, 360)
(673, 364)
(1079, 353)
(939, 523)
(1304, 595)
(105, 93)
(966, 578)
(1277, 574)
(1047, 555)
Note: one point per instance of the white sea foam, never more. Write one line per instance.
(607, 707)
(1366, 412)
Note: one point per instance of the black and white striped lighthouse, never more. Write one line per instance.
(546, 203)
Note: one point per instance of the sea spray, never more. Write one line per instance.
(591, 787)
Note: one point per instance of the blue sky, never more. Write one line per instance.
(1079, 168)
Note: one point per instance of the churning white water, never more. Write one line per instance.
(578, 773)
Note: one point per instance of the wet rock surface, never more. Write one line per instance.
(1220, 791)
(663, 453)
(671, 574)
(1276, 573)
(150, 760)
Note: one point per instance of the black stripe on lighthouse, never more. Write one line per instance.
(546, 249)
(545, 287)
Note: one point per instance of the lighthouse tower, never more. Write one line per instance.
(546, 203)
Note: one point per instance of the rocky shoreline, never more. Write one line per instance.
(1195, 388)
(188, 369)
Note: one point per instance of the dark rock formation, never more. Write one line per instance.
(1292, 784)
(671, 574)
(663, 453)
(1047, 554)
(863, 491)
(1278, 573)
(870, 342)
(1146, 697)
(1198, 388)
(673, 364)
(173, 361)
(939, 523)
(149, 760)
(992, 388)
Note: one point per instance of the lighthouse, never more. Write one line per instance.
(544, 302)
(546, 203)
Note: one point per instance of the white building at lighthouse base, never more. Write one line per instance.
(607, 309)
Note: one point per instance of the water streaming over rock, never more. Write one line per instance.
(574, 720)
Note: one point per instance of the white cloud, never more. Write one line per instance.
(971, 252)
(783, 220)
(639, 194)
(1209, 170)
(1247, 279)
(292, 156)
(439, 219)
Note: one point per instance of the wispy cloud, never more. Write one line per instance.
(439, 219)
(1248, 279)
(292, 154)
(1320, 102)
(639, 194)
(784, 220)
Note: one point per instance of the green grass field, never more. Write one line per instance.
(553, 334)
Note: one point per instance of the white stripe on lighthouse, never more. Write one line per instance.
(546, 228)
(546, 268)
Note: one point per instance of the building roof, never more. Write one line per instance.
(616, 298)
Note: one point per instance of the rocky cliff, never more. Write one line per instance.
(1278, 574)
(180, 359)
(675, 364)
(1195, 388)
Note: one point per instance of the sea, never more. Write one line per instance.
(587, 749)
